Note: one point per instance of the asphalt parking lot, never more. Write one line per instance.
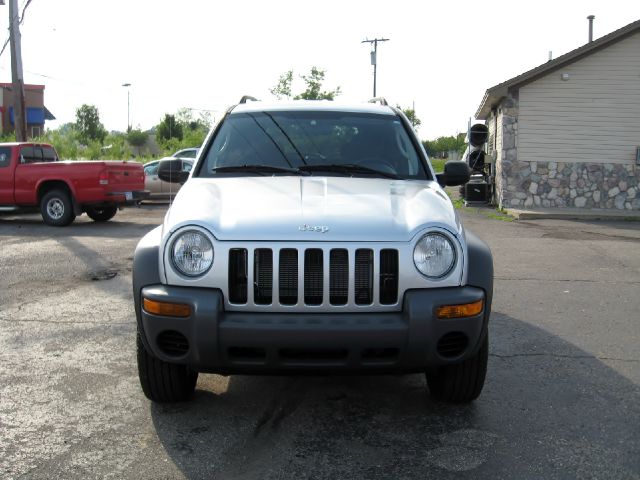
(562, 397)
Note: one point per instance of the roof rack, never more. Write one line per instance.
(247, 97)
(381, 100)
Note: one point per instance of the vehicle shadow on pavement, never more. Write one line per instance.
(549, 410)
(35, 228)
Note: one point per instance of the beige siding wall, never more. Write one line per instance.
(592, 117)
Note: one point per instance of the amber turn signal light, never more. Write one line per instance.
(460, 311)
(166, 309)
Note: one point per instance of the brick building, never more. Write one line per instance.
(36, 112)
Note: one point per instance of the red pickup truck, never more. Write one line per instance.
(31, 175)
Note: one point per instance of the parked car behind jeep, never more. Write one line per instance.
(158, 188)
(312, 237)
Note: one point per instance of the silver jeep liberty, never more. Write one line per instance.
(312, 237)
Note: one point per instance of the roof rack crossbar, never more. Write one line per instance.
(248, 97)
(380, 100)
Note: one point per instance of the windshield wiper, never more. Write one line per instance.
(348, 168)
(261, 169)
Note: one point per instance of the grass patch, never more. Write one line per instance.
(438, 164)
(497, 215)
(458, 203)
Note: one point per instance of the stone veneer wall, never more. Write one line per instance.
(580, 185)
(524, 184)
(508, 123)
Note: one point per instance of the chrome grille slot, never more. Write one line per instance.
(338, 276)
(364, 276)
(313, 276)
(288, 276)
(238, 275)
(262, 276)
(388, 276)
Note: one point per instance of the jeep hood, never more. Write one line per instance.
(315, 208)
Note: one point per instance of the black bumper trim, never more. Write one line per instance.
(214, 336)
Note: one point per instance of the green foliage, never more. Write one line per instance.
(116, 147)
(69, 147)
(313, 90)
(88, 124)
(8, 137)
(137, 138)
(66, 141)
(186, 130)
(441, 146)
(169, 128)
(314, 85)
(283, 87)
(170, 145)
(411, 116)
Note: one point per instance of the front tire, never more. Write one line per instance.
(56, 208)
(101, 214)
(462, 382)
(164, 382)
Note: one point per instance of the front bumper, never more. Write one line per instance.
(214, 340)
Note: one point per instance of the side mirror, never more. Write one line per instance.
(172, 170)
(455, 173)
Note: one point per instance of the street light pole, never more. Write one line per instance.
(128, 121)
(374, 58)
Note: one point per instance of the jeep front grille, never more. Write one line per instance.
(329, 277)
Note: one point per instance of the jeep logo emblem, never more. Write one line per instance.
(313, 228)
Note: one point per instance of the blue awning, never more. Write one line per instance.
(35, 115)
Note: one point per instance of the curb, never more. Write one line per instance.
(574, 214)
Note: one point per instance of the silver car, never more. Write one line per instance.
(159, 189)
(312, 237)
(186, 153)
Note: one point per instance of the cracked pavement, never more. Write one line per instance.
(562, 397)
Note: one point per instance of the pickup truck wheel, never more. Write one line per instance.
(101, 214)
(164, 382)
(463, 382)
(56, 208)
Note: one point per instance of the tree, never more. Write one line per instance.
(88, 124)
(137, 138)
(411, 116)
(313, 83)
(283, 88)
(185, 117)
(441, 146)
(169, 128)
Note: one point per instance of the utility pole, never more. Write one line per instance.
(374, 58)
(17, 77)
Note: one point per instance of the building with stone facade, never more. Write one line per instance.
(567, 133)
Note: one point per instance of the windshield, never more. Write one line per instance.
(311, 141)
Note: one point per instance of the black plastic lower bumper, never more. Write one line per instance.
(214, 340)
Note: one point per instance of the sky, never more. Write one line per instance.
(205, 54)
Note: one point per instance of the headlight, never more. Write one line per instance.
(192, 253)
(434, 255)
